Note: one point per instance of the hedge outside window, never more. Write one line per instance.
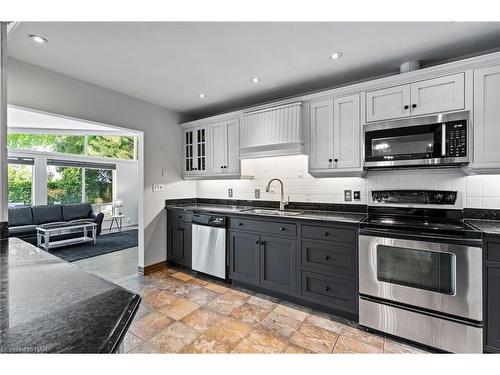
(20, 184)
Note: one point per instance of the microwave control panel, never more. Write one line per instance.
(456, 138)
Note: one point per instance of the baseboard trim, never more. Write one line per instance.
(152, 268)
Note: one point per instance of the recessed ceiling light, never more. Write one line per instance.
(336, 55)
(202, 96)
(255, 79)
(38, 39)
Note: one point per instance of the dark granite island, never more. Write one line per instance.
(50, 306)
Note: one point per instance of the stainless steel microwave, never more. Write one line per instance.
(438, 140)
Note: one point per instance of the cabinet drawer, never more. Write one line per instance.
(335, 292)
(493, 251)
(179, 216)
(337, 259)
(282, 229)
(329, 234)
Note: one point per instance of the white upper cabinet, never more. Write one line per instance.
(224, 146)
(272, 131)
(194, 151)
(233, 147)
(346, 132)
(321, 134)
(438, 95)
(487, 118)
(218, 142)
(335, 137)
(435, 95)
(390, 103)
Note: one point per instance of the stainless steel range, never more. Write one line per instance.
(420, 271)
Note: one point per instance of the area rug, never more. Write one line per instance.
(106, 243)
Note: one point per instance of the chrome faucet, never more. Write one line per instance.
(283, 202)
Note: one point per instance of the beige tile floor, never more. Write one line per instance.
(182, 313)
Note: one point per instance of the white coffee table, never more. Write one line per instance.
(46, 232)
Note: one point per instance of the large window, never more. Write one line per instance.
(64, 185)
(66, 144)
(75, 182)
(20, 184)
(120, 147)
(98, 185)
(111, 146)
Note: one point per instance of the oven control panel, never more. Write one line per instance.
(456, 138)
(414, 196)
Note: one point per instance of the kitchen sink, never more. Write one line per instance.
(264, 211)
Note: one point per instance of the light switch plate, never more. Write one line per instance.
(230, 193)
(356, 195)
(257, 193)
(158, 187)
(347, 195)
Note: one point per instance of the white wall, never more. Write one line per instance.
(127, 189)
(474, 191)
(37, 88)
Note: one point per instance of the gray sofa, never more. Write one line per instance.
(23, 221)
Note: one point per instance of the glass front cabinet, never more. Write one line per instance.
(195, 151)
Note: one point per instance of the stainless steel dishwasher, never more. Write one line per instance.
(209, 244)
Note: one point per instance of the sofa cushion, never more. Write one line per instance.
(47, 214)
(76, 211)
(20, 216)
(22, 230)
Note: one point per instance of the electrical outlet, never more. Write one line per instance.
(357, 195)
(257, 193)
(230, 193)
(347, 195)
(158, 187)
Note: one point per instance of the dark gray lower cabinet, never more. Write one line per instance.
(338, 293)
(277, 264)
(493, 309)
(244, 257)
(179, 243)
(320, 269)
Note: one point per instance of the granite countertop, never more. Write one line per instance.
(332, 216)
(488, 227)
(49, 305)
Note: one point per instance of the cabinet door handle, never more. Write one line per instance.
(180, 216)
(282, 229)
(240, 224)
(262, 242)
(406, 106)
(180, 229)
(330, 160)
(221, 167)
(326, 234)
(326, 288)
(336, 160)
(414, 106)
(327, 257)
(257, 242)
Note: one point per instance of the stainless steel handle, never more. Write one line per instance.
(443, 139)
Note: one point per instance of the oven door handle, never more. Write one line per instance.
(443, 139)
(394, 233)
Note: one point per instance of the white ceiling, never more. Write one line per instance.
(170, 63)
(27, 120)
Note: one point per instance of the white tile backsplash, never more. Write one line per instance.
(473, 191)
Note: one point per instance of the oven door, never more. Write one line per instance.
(440, 277)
